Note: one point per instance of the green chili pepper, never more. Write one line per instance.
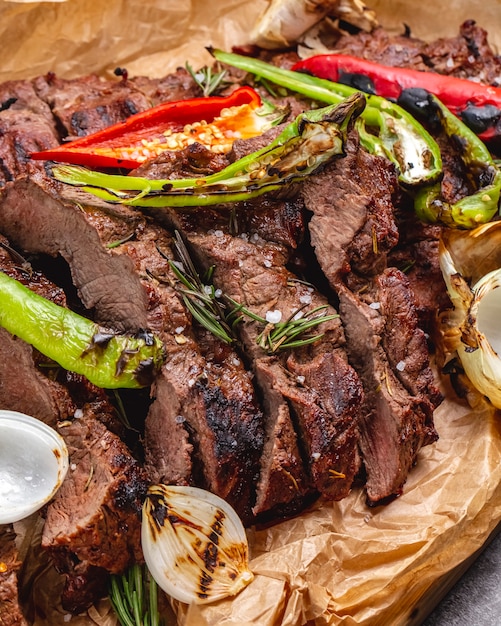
(313, 139)
(107, 359)
(399, 136)
(477, 208)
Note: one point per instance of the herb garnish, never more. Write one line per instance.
(210, 82)
(220, 314)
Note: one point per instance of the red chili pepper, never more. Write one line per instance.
(168, 126)
(478, 105)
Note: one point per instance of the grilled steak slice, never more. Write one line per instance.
(179, 85)
(356, 214)
(253, 273)
(416, 254)
(467, 55)
(396, 422)
(284, 480)
(204, 401)
(37, 222)
(26, 125)
(95, 516)
(384, 342)
(11, 613)
(90, 103)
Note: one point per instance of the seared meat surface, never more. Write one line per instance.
(352, 231)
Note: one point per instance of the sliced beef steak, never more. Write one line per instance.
(398, 413)
(95, 517)
(417, 255)
(26, 125)
(11, 613)
(204, 398)
(24, 386)
(252, 272)
(90, 103)
(119, 266)
(353, 231)
(36, 221)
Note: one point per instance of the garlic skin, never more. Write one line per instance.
(471, 267)
(194, 544)
(285, 21)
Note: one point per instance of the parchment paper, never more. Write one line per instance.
(341, 563)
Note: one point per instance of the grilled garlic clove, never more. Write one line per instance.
(471, 266)
(194, 544)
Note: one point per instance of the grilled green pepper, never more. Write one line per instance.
(313, 139)
(399, 136)
(482, 172)
(107, 359)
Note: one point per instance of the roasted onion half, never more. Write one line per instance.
(471, 266)
(194, 544)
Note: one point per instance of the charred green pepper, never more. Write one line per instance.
(385, 128)
(106, 358)
(482, 172)
(313, 139)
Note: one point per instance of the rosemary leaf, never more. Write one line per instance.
(208, 81)
(300, 342)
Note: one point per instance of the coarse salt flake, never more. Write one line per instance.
(78, 414)
(267, 263)
(400, 366)
(305, 299)
(375, 305)
(300, 379)
(273, 317)
(179, 330)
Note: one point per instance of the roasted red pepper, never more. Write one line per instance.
(477, 105)
(215, 121)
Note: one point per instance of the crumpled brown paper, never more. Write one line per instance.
(340, 563)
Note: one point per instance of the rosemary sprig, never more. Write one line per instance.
(200, 298)
(209, 82)
(134, 597)
(290, 333)
(206, 306)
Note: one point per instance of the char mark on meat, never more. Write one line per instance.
(353, 232)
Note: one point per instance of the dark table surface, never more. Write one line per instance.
(475, 600)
